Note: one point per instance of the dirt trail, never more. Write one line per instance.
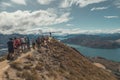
(4, 65)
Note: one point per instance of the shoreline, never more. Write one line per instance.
(93, 47)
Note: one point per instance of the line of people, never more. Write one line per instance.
(40, 41)
(17, 46)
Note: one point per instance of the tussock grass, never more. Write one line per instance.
(28, 75)
(3, 58)
(30, 57)
(28, 66)
(17, 65)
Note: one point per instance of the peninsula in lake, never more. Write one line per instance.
(101, 41)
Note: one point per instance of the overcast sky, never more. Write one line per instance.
(68, 16)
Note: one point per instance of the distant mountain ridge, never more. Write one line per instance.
(102, 41)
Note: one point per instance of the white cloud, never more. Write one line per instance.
(4, 5)
(117, 3)
(21, 2)
(98, 8)
(83, 3)
(69, 25)
(44, 2)
(110, 17)
(80, 3)
(81, 31)
(61, 31)
(67, 3)
(20, 21)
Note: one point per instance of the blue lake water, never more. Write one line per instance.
(111, 54)
(3, 51)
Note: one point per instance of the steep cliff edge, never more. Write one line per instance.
(56, 62)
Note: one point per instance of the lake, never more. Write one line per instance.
(3, 51)
(110, 54)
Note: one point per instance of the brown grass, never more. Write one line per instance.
(28, 75)
(30, 57)
(17, 65)
(38, 67)
(28, 66)
(3, 58)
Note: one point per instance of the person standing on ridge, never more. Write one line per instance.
(23, 43)
(16, 45)
(10, 49)
(28, 42)
(33, 44)
(50, 34)
(38, 42)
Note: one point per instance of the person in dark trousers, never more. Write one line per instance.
(10, 49)
(38, 42)
(28, 42)
(33, 44)
(50, 34)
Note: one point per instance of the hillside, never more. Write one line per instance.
(95, 41)
(57, 62)
(110, 65)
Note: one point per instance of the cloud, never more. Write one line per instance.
(81, 31)
(69, 25)
(67, 3)
(4, 5)
(20, 21)
(80, 3)
(61, 31)
(98, 8)
(110, 17)
(117, 3)
(83, 3)
(44, 2)
(20, 2)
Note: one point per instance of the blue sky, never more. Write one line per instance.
(67, 16)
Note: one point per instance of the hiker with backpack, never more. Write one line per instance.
(33, 44)
(16, 44)
(10, 49)
(23, 44)
(38, 42)
(28, 43)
